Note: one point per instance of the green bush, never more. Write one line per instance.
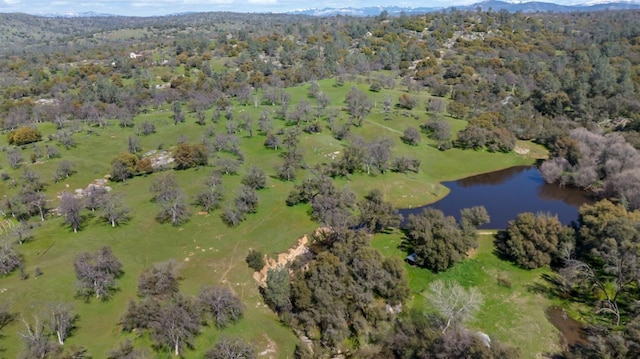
(255, 260)
(24, 135)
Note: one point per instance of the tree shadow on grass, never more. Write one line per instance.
(553, 286)
(405, 244)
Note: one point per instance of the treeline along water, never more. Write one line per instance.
(506, 193)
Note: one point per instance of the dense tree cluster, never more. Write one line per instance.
(330, 205)
(601, 163)
(533, 241)
(343, 292)
(376, 215)
(438, 241)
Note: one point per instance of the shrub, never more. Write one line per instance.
(24, 135)
(255, 260)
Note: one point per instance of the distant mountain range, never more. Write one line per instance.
(496, 5)
(76, 14)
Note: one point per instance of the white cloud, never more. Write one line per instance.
(12, 2)
(263, 2)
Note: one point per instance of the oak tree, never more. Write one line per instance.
(97, 273)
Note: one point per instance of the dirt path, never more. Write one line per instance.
(383, 126)
(223, 278)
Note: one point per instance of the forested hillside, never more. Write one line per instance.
(151, 168)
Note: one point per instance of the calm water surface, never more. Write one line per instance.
(508, 192)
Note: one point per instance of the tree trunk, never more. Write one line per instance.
(60, 340)
(176, 349)
(113, 223)
(447, 326)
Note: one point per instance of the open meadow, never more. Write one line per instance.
(510, 312)
(208, 252)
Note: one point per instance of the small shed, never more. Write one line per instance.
(412, 259)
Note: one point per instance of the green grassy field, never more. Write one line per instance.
(207, 251)
(514, 315)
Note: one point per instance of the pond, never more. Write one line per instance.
(506, 193)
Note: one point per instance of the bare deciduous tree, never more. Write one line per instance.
(126, 350)
(70, 208)
(62, 321)
(225, 308)
(94, 197)
(148, 128)
(440, 130)
(36, 340)
(231, 348)
(323, 100)
(247, 200)
(114, 210)
(10, 260)
(358, 105)
(437, 105)
(411, 136)
(171, 199)
(174, 209)
(133, 144)
(227, 166)
(211, 195)
(178, 323)
(22, 231)
(97, 273)
(232, 216)
(36, 202)
(378, 154)
(64, 170)
(14, 157)
(454, 303)
(159, 280)
(255, 178)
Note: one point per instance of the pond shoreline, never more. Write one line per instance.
(506, 193)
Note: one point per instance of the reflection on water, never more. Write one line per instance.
(491, 178)
(508, 192)
(569, 195)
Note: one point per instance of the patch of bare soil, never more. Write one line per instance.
(271, 349)
(299, 250)
(521, 151)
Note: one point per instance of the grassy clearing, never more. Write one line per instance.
(208, 252)
(513, 315)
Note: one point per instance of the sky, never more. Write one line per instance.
(165, 7)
